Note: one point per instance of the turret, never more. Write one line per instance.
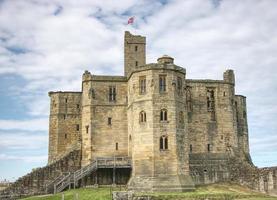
(134, 52)
(229, 76)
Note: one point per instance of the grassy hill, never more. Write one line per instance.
(210, 192)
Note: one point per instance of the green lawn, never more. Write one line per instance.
(210, 192)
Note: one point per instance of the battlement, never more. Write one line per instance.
(158, 66)
(134, 52)
(134, 39)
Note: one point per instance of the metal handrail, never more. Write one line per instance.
(70, 178)
(55, 180)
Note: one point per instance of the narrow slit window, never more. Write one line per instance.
(142, 116)
(142, 85)
(179, 84)
(136, 48)
(190, 148)
(162, 83)
(109, 121)
(77, 127)
(112, 93)
(163, 143)
(181, 117)
(136, 63)
(87, 127)
(116, 146)
(209, 147)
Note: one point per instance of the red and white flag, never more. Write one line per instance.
(131, 20)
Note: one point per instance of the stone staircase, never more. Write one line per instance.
(67, 180)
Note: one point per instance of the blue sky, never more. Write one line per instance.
(46, 45)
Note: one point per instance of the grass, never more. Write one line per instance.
(209, 192)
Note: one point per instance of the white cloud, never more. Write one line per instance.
(29, 159)
(23, 140)
(89, 35)
(40, 124)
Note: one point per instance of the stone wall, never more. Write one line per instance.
(268, 180)
(104, 121)
(134, 52)
(212, 123)
(35, 181)
(64, 123)
(156, 168)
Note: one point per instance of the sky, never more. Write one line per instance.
(47, 45)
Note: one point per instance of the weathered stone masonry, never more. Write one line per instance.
(178, 132)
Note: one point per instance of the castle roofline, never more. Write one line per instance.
(58, 92)
(104, 78)
(239, 95)
(208, 81)
(158, 66)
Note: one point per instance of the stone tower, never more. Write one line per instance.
(64, 123)
(134, 52)
(157, 124)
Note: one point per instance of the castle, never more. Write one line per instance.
(153, 114)
(151, 129)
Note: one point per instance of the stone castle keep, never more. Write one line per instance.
(153, 114)
(152, 129)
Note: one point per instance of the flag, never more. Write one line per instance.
(131, 20)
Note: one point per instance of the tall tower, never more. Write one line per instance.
(134, 52)
(157, 124)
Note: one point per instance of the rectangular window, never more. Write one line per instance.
(209, 147)
(116, 146)
(77, 127)
(162, 83)
(210, 100)
(112, 93)
(142, 85)
(109, 121)
(87, 129)
(64, 116)
(136, 48)
(65, 100)
(136, 63)
(78, 106)
(65, 136)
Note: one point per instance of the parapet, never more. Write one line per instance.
(62, 92)
(158, 66)
(109, 78)
(129, 38)
(165, 59)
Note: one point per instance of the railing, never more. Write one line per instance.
(55, 181)
(114, 162)
(72, 178)
(85, 170)
(61, 184)
(67, 181)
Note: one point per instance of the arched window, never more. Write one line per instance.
(142, 116)
(163, 115)
(163, 143)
